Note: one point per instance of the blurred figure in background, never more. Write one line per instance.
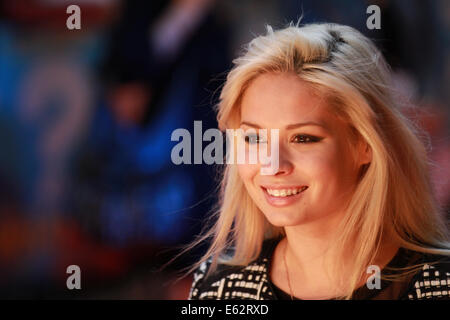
(46, 97)
(157, 77)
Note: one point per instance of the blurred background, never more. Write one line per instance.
(86, 118)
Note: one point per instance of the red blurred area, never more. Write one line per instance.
(52, 14)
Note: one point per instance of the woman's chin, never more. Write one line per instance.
(283, 220)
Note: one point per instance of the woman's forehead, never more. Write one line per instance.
(281, 100)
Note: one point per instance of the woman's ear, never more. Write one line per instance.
(360, 146)
(364, 152)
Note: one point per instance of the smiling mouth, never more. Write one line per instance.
(283, 193)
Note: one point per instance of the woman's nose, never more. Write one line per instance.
(285, 166)
(280, 163)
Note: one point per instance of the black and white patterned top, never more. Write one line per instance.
(252, 282)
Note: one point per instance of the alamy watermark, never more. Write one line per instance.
(374, 281)
(74, 280)
(374, 20)
(242, 147)
(74, 20)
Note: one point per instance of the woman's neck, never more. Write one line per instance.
(309, 251)
(307, 243)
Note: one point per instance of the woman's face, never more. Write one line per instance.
(317, 173)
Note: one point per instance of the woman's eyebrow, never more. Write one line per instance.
(250, 124)
(290, 126)
(308, 123)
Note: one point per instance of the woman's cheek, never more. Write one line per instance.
(344, 167)
(314, 164)
(247, 171)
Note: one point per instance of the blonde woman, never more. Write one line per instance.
(349, 212)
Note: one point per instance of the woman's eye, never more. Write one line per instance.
(302, 138)
(251, 139)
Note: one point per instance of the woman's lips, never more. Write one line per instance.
(284, 199)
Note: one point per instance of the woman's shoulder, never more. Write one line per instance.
(432, 281)
(234, 282)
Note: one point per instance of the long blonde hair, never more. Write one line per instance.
(394, 195)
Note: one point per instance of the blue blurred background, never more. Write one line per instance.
(86, 118)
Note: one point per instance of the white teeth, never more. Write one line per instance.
(284, 192)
